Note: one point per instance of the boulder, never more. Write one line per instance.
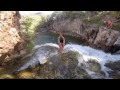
(117, 42)
(9, 33)
(105, 39)
(9, 29)
(115, 69)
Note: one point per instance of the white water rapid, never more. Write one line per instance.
(43, 52)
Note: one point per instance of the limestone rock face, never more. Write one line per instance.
(106, 39)
(9, 29)
(99, 38)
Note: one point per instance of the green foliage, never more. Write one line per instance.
(26, 23)
(91, 17)
(75, 14)
(97, 21)
(28, 28)
(116, 27)
(115, 13)
(1, 72)
(116, 77)
(42, 22)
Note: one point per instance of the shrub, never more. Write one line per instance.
(28, 28)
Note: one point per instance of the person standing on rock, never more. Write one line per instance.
(107, 21)
(61, 42)
(108, 24)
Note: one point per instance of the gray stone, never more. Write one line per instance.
(117, 42)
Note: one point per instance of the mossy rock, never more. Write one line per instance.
(62, 66)
(25, 75)
(94, 66)
(116, 77)
(6, 76)
(2, 72)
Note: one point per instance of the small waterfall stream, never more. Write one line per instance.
(49, 49)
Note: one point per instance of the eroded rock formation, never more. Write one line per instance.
(96, 37)
(9, 32)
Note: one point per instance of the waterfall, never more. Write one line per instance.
(49, 49)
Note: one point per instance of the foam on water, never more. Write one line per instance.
(90, 53)
(40, 55)
(86, 52)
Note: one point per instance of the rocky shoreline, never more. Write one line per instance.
(97, 37)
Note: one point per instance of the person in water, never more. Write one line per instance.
(61, 42)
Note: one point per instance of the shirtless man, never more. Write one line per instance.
(61, 42)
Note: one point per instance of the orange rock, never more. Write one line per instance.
(9, 36)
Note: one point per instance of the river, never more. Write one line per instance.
(44, 42)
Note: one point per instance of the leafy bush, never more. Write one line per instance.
(28, 28)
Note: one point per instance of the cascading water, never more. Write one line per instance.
(49, 49)
(98, 55)
(41, 54)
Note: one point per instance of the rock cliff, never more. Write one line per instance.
(93, 33)
(9, 32)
